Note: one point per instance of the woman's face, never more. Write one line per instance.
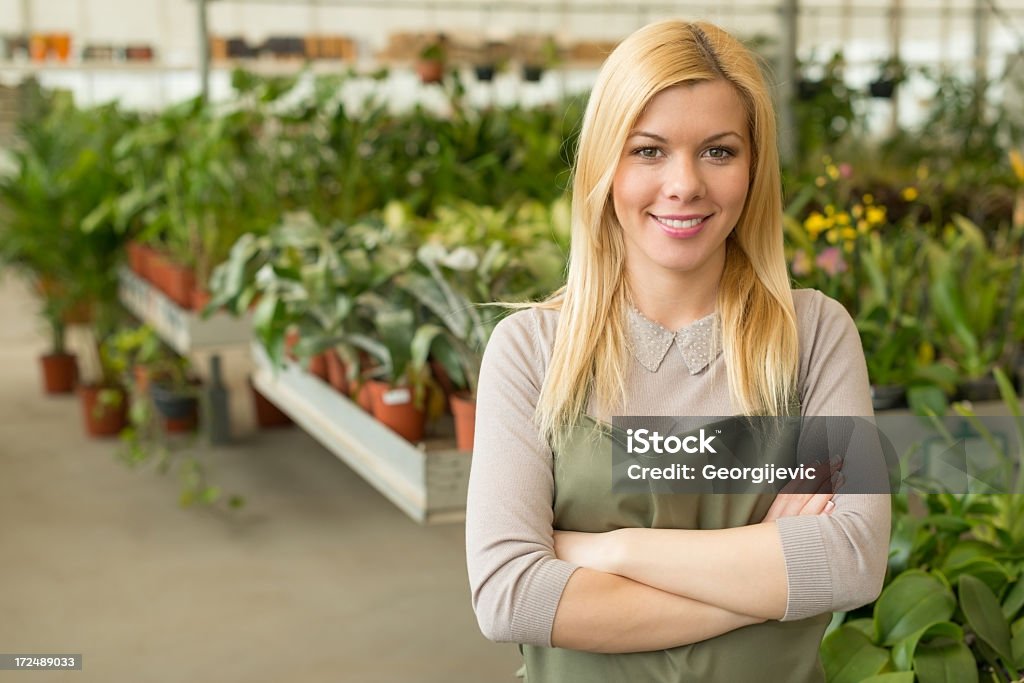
(682, 180)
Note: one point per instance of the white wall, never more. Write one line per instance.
(172, 27)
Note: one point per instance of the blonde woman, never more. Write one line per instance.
(677, 303)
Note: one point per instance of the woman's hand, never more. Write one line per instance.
(817, 502)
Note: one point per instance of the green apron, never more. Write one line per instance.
(772, 651)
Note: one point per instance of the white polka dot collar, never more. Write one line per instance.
(699, 342)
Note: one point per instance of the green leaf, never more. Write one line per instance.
(849, 656)
(865, 626)
(891, 677)
(945, 663)
(1014, 599)
(1018, 643)
(913, 601)
(903, 651)
(981, 607)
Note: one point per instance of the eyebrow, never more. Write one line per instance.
(664, 141)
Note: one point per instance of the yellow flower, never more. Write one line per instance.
(848, 233)
(863, 226)
(857, 211)
(876, 215)
(842, 218)
(815, 224)
(869, 199)
(833, 171)
(832, 236)
(925, 353)
(1017, 163)
(820, 181)
(909, 194)
(830, 210)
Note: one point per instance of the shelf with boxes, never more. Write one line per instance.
(182, 329)
(427, 481)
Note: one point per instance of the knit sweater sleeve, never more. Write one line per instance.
(515, 579)
(836, 562)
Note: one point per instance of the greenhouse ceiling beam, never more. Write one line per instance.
(926, 9)
(204, 49)
(789, 11)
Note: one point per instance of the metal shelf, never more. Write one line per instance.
(428, 482)
(183, 330)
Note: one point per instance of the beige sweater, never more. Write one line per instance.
(833, 562)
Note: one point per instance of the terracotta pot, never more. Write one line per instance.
(291, 338)
(106, 417)
(179, 425)
(393, 407)
(136, 257)
(147, 255)
(60, 45)
(337, 372)
(318, 366)
(430, 70)
(267, 414)
(38, 47)
(199, 298)
(364, 397)
(464, 411)
(181, 280)
(158, 270)
(60, 372)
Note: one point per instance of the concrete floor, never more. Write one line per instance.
(317, 578)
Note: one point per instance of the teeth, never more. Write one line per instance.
(672, 223)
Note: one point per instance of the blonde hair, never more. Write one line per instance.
(755, 303)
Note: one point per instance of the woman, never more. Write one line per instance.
(677, 225)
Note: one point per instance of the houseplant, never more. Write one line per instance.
(953, 605)
(430, 65)
(969, 292)
(61, 171)
(451, 285)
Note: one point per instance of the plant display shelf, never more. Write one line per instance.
(428, 482)
(183, 330)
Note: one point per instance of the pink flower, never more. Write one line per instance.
(801, 264)
(845, 170)
(831, 261)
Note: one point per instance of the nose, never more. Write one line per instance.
(683, 180)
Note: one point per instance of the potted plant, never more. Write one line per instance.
(970, 298)
(450, 285)
(952, 607)
(490, 60)
(402, 391)
(891, 73)
(60, 173)
(430, 65)
(541, 53)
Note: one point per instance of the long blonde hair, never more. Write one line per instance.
(755, 303)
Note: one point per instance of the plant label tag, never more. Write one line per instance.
(396, 397)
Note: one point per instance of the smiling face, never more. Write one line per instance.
(682, 181)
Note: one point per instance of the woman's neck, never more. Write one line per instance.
(671, 300)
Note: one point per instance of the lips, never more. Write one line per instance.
(681, 226)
